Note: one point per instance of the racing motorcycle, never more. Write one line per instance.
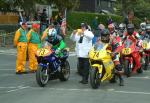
(51, 67)
(101, 64)
(129, 48)
(146, 53)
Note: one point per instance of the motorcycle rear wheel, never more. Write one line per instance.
(42, 76)
(94, 78)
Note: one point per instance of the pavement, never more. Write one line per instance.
(24, 89)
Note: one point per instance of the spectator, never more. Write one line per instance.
(20, 40)
(37, 16)
(97, 34)
(58, 19)
(95, 23)
(22, 18)
(44, 21)
(109, 20)
(33, 44)
(129, 18)
(63, 28)
(83, 45)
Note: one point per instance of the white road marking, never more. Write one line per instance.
(7, 87)
(75, 89)
(6, 69)
(110, 89)
(146, 77)
(6, 75)
(19, 88)
(8, 54)
(97, 90)
(130, 92)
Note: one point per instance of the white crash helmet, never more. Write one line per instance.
(52, 34)
(147, 28)
(122, 26)
(143, 26)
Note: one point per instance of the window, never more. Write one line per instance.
(109, 4)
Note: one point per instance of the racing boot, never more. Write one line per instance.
(84, 81)
(121, 81)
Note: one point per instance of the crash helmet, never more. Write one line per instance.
(122, 27)
(116, 26)
(130, 29)
(52, 34)
(111, 28)
(147, 28)
(143, 26)
(105, 36)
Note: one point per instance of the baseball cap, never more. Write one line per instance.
(23, 23)
(35, 26)
(83, 25)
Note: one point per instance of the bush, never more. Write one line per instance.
(137, 22)
(75, 18)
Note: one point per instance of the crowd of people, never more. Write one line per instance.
(59, 21)
(85, 38)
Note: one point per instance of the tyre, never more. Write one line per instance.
(42, 76)
(65, 72)
(146, 63)
(127, 68)
(94, 78)
(140, 70)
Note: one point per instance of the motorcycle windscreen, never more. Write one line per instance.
(127, 43)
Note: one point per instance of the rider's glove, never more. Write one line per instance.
(57, 51)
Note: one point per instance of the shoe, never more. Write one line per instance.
(32, 71)
(19, 72)
(83, 82)
(121, 83)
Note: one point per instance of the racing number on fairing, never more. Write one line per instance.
(144, 45)
(42, 52)
(96, 54)
(126, 51)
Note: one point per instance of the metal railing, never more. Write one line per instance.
(6, 39)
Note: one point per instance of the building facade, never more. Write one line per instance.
(96, 5)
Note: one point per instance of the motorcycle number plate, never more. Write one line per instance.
(42, 52)
(126, 51)
(144, 45)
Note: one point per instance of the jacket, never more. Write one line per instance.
(83, 46)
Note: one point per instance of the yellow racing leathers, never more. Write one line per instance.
(33, 42)
(20, 41)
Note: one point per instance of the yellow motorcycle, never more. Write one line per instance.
(101, 64)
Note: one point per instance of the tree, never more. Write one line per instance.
(65, 4)
(140, 7)
(29, 5)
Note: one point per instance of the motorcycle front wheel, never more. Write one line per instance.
(65, 72)
(42, 76)
(127, 68)
(146, 63)
(94, 78)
